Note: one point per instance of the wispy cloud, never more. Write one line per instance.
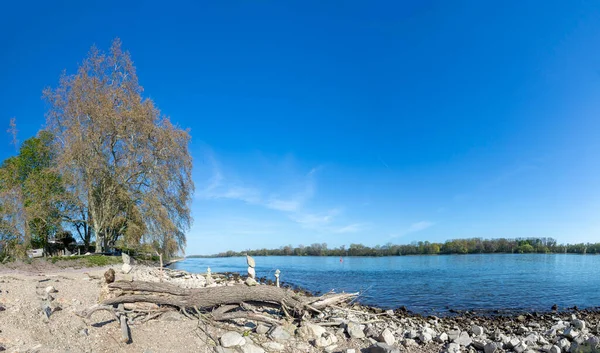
(315, 220)
(351, 228)
(413, 228)
(296, 201)
(217, 187)
(291, 195)
(419, 226)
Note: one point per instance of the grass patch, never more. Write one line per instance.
(89, 260)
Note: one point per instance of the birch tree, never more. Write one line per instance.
(131, 164)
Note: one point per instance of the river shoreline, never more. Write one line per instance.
(344, 328)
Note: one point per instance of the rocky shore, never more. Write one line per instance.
(40, 312)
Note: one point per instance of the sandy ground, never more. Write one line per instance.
(23, 327)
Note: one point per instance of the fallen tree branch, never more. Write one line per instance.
(246, 315)
(98, 307)
(202, 297)
(124, 329)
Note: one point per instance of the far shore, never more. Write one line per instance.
(376, 256)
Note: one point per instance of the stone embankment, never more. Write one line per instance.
(41, 313)
(351, 328)
(361, 329)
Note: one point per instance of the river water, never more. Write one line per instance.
(435, 284)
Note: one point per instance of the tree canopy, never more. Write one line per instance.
(454, 246)
(109, 165)
(131, 164)
(31, 194)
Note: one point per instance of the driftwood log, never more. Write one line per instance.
(224, 303)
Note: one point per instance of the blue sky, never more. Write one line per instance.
(349, 122)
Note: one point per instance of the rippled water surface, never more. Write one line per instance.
(430, 284)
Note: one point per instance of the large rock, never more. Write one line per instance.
(371, 331)
(425, 337)
(273, 346)
(327, 339)
(478, 343)
(520, 348)
(477, 330)
(387, 337)
(491, 347)
(464, 339)
(315, 330)
(252, 348)
(251, 282)
(409, 342)
(441, 338)
(453, 335)
(593, 342)
(555, 349)
(512, 343)
(232, 339)
(381, 347)
(355, 330)
(570, 333)
(251, 272)
(279, 334)
(564, 344)
(126, 268)
(453, 348)
(262, 329)
(412, 334)
(330, 349)
(578, 324)
(127, 260)
(250, 261)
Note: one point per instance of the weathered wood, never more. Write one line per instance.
(154, 287)
(98, 307)
(124, 329)
(330, 300)
(167, 294)
(246, 315)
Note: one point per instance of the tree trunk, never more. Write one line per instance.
(99, 240)
(201, 297)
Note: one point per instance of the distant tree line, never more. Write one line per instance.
(108, 170)
(455, 246)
